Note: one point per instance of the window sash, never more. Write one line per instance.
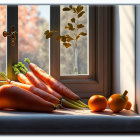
(12, 52)
(98, 80)
(55, 51)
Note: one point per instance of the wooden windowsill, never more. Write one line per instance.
(69, 121)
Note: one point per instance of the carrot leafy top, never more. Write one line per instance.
(27, 60)
(15, 68)
(20, 68)
(2, 74)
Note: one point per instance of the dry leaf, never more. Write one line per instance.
(80, 26)
(67, 45)
(66, 9)
(46, 32)
(70, 25)
(66, 27)
(74, 10)
(79, 8)
(83, 34)
(49, 33)
(77, 37)
(58, 38)
(80, 14)
(63, 38)
(73, 20)
(69, 38)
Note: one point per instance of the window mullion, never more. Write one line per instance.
(12, 52)
(54, 45)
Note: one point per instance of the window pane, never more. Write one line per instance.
(33, 21)
(74, 60)
(3, 12)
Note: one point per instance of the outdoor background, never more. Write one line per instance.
(33, 20)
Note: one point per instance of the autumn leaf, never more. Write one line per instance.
(74, 10)
(79, 8)
(66, 9)
(48, 36)
(66, 27)
(46, 32)
(80, 26)
(69, 38)
(77, 37)
(63, 38)
(80, 14)
(67, 45)
(83, 34)
(58, 38)
(52, 32)
(70, 27)
(73, 20)
(49, 33)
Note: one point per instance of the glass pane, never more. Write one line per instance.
(74, 60)
(33, 21)
(3, 24)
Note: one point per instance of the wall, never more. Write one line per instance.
(124, 51)
(138, 57)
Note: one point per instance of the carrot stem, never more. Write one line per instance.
(68, 104)
(80, 102)
(73, 102)
(58, 106)
(125, 93)
(22, 65)
(23, 70)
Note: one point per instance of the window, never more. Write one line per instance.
(69, 60)
(3, 13)
(94, 70)
(33, 20)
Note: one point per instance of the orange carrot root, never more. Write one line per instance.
(13, 97)
(53, 83)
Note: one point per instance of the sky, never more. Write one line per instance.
(44, 11)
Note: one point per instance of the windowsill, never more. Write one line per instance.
(69, 121)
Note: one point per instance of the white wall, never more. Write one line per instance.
(124, 51)
(138, 58)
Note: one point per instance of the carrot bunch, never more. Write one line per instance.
(36, 91)
(41, 80)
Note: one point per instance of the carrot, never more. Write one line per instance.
(46, 96)
(12, 97)
(53, 83)
(21, 77)
(40, 84)
(36, 81)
